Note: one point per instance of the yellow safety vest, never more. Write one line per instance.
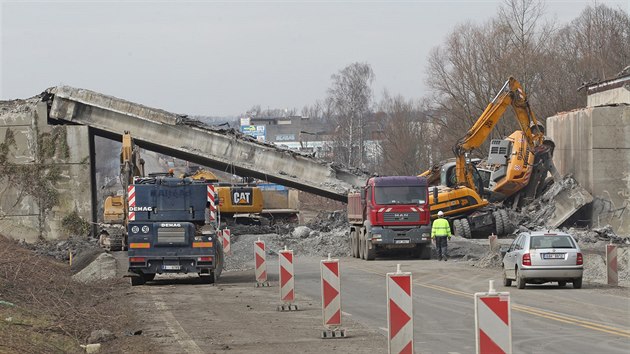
(440, 228)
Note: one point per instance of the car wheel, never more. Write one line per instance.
(506, 281)
(577, 283)
(148, 277)
(520, 281)
(562, 284)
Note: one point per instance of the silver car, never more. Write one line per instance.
(539, 257)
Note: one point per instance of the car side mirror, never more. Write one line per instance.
(435, 195)
(503, 250)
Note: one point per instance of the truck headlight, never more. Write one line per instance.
(426, 235)
(376, 238)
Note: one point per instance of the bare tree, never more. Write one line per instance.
(408, 139)
(349, 99)
(467, 71)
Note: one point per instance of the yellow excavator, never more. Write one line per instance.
(240, 203)
(459, 187)
(113, 235)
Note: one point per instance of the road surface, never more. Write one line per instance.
(184, 315)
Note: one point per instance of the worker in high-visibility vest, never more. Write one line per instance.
(440, 232)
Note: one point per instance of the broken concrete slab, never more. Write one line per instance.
(567, 203)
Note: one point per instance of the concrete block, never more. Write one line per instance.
(611, 127)
(20, 227)
(24, 149)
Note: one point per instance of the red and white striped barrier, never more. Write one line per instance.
(261, 263)
(493, 322)
(331, 298)
(131, 201)
(287, 281)
(212, 207)
(227, 243)
(611, 265)
(399, 312)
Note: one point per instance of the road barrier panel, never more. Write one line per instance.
(493, 322)
(612, 265)
(227, 243)
(331, 299)
(287, 281)
(399, 312)
(212, 206)
(261, 263)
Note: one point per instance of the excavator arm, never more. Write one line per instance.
(511, 94)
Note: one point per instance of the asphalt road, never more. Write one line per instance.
(545, 318)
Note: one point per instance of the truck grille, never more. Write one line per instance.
(171, 235)
(401, 217)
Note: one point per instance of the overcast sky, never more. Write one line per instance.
(221, 58)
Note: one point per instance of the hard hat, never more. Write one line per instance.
(440, 213)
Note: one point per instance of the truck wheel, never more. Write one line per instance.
(507, 224)
(466, 228)
(354, 242)
(498, 222)
(361, 246)
(423, 251)
(137, 280)
(457, 228)
(369, 254)
(208, 278)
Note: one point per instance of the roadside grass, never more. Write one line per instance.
(42, 310)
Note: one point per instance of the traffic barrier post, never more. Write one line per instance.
(287, 281)
(331, 299)
(399, 312)
(261, 263)
(493, 322)
(611, 265)
(227, 243)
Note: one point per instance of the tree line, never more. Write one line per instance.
(400, 136)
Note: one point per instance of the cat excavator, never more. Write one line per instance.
(521, 165)
(113, 234)
(241, 203)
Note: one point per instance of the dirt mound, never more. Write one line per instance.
(102, 268)
(328, 233)
(50, 312)
(80, 246)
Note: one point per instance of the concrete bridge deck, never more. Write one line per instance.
(177, 136)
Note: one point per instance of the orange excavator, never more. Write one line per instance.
(459, 189)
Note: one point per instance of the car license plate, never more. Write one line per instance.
(553, 255)
(171, 267)
(402, 241)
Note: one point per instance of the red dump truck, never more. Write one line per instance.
(390, 213)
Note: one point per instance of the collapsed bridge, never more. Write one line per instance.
(190, 140)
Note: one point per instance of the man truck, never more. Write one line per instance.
(171, 229)
(390, 213)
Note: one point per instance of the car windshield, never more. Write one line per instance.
(400, 195)
(549, 241)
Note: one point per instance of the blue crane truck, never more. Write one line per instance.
(170, 231)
